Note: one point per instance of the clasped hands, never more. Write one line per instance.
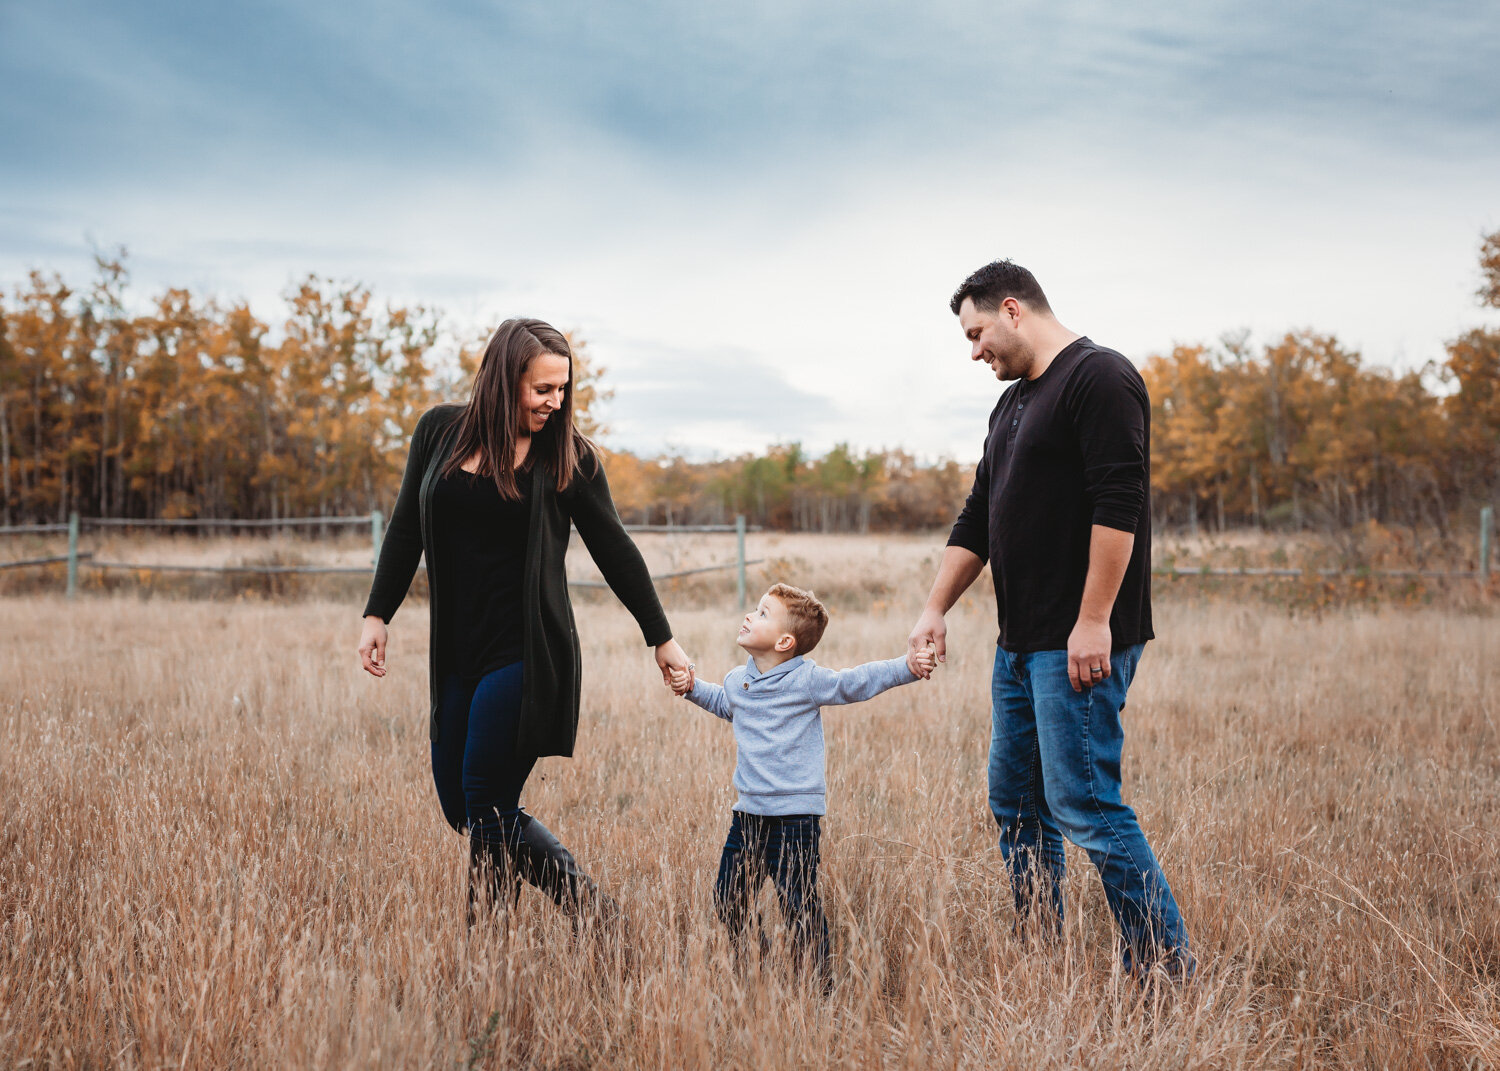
(681, 681)
(673, 662)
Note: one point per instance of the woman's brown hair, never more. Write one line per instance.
(492, 421)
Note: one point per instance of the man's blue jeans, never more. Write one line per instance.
(1055, 772)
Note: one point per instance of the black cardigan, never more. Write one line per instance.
(553, 673)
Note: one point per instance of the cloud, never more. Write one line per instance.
(762, 209)
(143, 89)
(719, 400)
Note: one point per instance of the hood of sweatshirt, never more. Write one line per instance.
(775, 673)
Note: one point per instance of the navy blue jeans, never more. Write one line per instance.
(1055, 771)
(475, 765)
(785, 849)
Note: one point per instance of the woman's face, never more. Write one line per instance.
(543, 390)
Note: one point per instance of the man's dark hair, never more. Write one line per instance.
(997, 281)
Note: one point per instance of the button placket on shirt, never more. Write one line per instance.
(1020, 405)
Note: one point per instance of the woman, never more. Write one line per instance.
(489, 492)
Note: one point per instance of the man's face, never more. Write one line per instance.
(994, 338)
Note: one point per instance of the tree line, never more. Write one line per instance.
(195, 408)
(1302, 433)
(198, 408)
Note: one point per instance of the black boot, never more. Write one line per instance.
(493, 880)
(542, 860)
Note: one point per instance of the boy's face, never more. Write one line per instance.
(764, 629)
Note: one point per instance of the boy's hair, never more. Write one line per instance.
(809, 617)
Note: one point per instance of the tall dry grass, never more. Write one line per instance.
(221, 849)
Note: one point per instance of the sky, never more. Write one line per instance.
(755, 214)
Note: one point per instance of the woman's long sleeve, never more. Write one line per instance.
(594, 515)
(401, 547)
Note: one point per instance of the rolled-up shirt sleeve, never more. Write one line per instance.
(972, 529)
(1111, 408)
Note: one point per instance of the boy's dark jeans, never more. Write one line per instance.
(785, 849)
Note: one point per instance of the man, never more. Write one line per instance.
(1060, 510)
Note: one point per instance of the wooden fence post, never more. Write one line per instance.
(1486, 532)
(72, 554)
(377, 533)
(739, 538)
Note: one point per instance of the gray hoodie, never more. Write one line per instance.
(778, 727)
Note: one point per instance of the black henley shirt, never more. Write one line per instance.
(1065, 451)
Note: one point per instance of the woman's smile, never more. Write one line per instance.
(544, 390)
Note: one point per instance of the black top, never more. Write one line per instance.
(1066, 451)
(481, 538)
(552, 688)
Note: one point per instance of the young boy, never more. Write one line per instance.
(773, 701)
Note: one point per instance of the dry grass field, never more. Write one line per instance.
(221, 847)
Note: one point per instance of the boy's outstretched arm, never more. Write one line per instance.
(831, 686)
(705, 694)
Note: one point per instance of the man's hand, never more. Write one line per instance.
(931, 632)
(960, 568)
(1089, 642)
(921, 660)
(1088, 654)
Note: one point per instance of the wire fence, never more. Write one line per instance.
(76, 559)
(227, 522)
(1481, 574)
(1431, 574)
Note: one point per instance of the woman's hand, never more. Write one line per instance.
(670, 658)
(372, 646)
